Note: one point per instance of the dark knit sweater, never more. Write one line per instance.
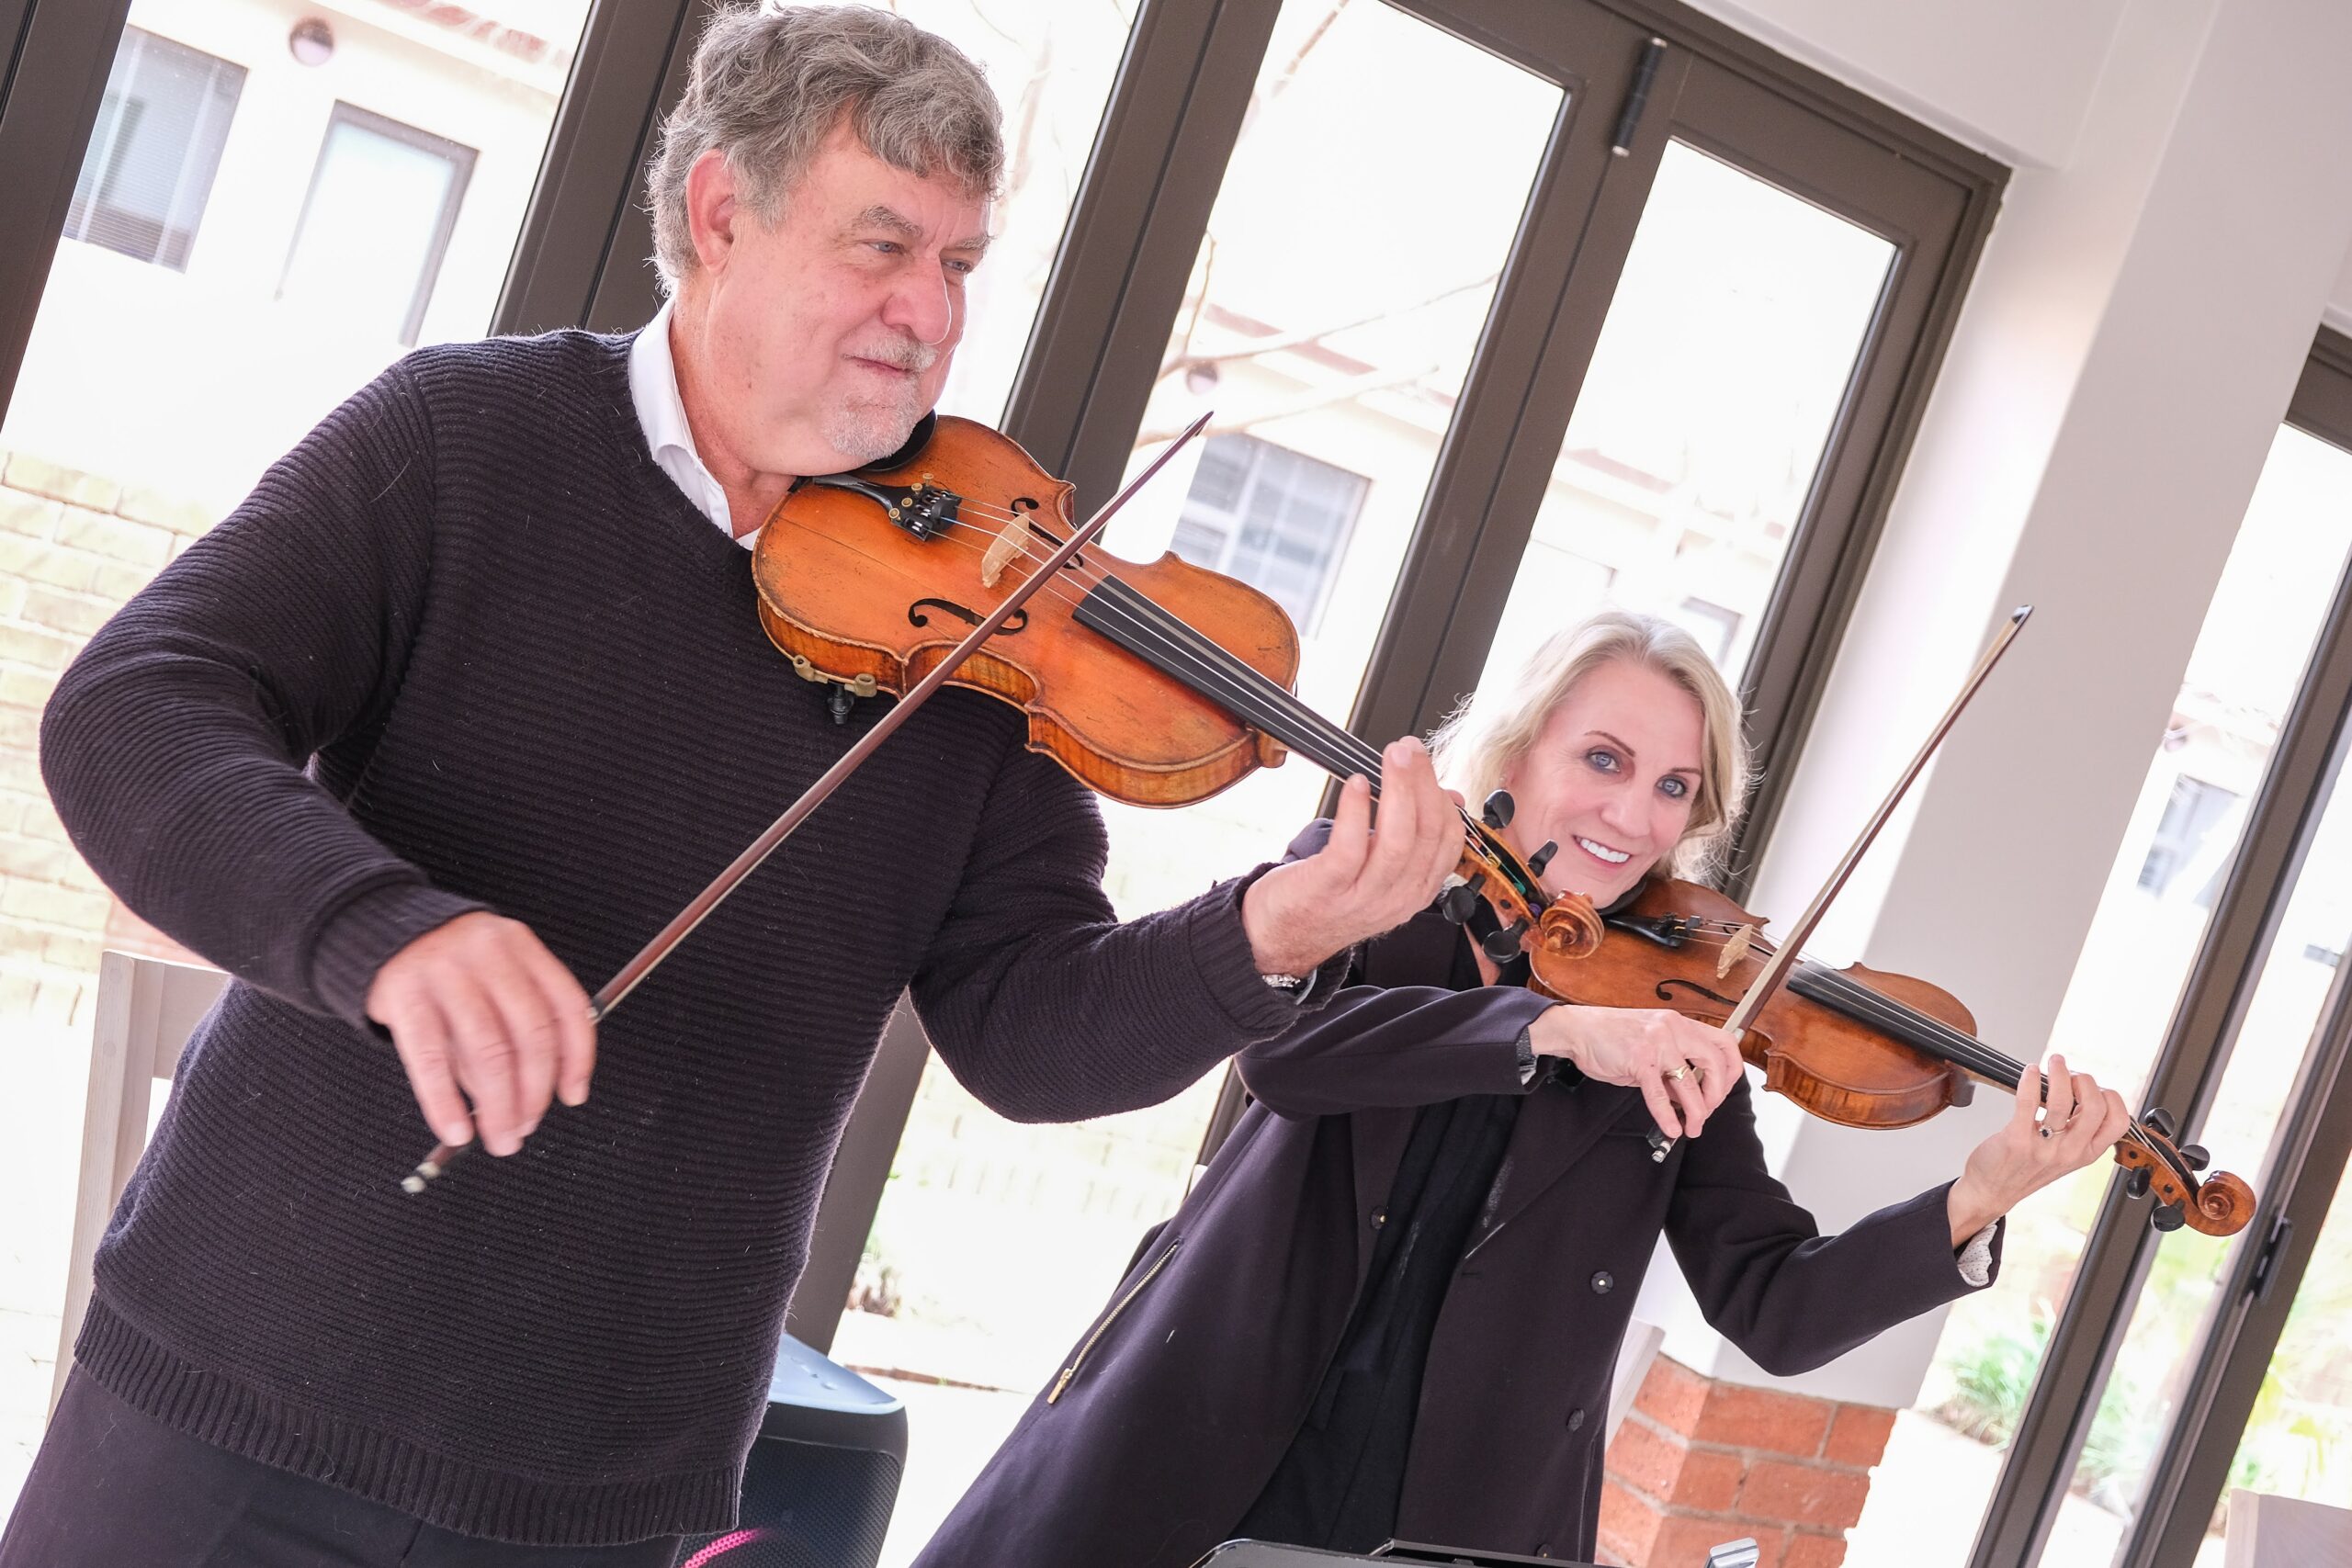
(467, 647)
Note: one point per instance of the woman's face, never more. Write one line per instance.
(1612, 779)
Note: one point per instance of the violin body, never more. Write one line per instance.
(1825, 1062)
(858, 585)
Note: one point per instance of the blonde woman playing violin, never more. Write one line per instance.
(1391, 1307)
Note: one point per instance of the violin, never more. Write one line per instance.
(1158, 684)
(1857, 1046)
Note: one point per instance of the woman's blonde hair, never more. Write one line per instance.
(1497, 725)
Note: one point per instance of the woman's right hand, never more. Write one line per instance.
(1683, 1068)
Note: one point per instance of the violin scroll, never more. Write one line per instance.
(2219, 1204)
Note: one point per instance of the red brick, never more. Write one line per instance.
(1640, 1454)
(143, 505)
(1673, 1395)
(1743, 1418)
(79, 953)
(53, 905)
(31, 515)
(116, 583)
(1858, 1435)
(1687, 1540)
(62, 483)
(1628, 1522)
(39, 819)
(141, 544)
(1814, 1552)
(1803, 1494)
(37, 859)
(26, 688)
(68, 613)
(44, 650)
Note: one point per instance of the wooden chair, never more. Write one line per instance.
(146, 1009)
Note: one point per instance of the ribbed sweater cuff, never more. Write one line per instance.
(359, 937)
(1229, 969)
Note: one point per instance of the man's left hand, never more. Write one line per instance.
(2038, 1143)
(1363, 882)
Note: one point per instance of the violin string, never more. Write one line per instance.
(1236, 682)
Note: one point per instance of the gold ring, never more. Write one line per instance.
(1676, 1075)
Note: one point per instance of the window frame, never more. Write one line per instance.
(2307, 1159)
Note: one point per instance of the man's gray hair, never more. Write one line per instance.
(769, 84)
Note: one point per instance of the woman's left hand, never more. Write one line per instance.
(2036, 1147)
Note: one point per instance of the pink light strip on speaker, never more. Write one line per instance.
(728, 1542)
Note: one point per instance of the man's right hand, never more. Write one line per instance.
(1638, 1048)
(480, 1010)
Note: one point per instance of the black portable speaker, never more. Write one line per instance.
(821, 1480)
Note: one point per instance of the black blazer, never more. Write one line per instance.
(1163, 1425)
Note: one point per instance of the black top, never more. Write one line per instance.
(464, 647)
(1337, 1486)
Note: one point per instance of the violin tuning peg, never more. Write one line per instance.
(2160, 1122)
(1496, 812)
(2194, 1156)
(1457, 901)
(2137, 1181)
(1502, 946)
(1543, 857)
(2167, 1217)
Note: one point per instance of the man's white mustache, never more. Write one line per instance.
(903, 354)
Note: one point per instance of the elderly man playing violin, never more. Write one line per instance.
(463, 704)
(1444, 1201)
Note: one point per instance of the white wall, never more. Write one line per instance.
(2011, 77)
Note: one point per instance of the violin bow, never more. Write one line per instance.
(1784, 954)
(435, 1164)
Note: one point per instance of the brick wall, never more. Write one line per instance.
(1699, 1462)
(73, 547)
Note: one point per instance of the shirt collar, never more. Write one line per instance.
(662, 414)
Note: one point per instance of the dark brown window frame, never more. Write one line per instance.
(2308, 1159)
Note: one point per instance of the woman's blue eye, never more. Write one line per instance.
(1606, 761)
(1675, 787)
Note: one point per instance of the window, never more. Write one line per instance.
(375, 224)
(1714, 625)
(1272, 517)
(2190, 817)
(153, 154)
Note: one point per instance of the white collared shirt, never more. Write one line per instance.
(662, 414)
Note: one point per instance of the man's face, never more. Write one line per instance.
(826, 338)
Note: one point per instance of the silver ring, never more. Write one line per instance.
(2045, 1132)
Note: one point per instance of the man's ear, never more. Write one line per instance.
(712, 209)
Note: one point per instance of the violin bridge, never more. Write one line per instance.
(1735, 950)
(1013, 542)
